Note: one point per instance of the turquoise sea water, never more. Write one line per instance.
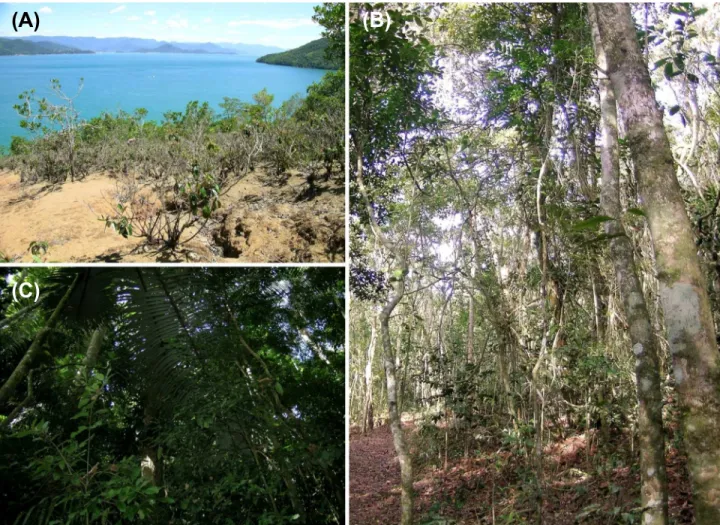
(156, 82)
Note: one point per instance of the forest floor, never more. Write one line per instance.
(490, 488)
(263, 218)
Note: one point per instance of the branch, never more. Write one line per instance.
(23, 368)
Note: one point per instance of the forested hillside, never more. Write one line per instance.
(535, 286)
(133, 45)
(13, 46)
(313, 55)
(156, 395)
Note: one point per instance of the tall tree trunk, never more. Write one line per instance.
(406, 476)
(505, 379)
(368, 415)
(398, 274)
(25, 364)
(653, 477)
(471, 305)
(685, 302)
(471, 326)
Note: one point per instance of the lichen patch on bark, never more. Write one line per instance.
(681, 304)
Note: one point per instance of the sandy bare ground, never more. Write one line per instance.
(263, 218)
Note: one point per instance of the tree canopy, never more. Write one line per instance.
(479, 237)
(166, 395)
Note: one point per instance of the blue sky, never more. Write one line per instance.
(285, 25)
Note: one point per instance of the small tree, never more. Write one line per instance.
(162, 213)
(57, 123)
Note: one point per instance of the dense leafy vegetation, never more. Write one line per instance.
(311, 55)
(514, 298)
(173, 396)
(14, 46)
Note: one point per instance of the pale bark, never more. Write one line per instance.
(505, 379)
(406, 476)
(685, 302)
(93, 351)
(398, 290)
(653, 477)
(471, 321)
(368, 412)
(26, 363)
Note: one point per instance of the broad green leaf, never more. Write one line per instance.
(591, 223)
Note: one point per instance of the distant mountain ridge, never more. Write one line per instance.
(145, 45)
(15, 46)
(170, 48)
(310, 55)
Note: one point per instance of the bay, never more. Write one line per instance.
(156, 82)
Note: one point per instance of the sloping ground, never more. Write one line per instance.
(489, 487)
(263, 219)
(374, 478)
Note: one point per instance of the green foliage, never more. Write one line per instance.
(331, 16)
(206, 404)
(84, 493)
(400, 61)
(592, 223)
(56, 152)
(391, 106)
(297, 134)
(323, 112)
(164, 222)
(312, 55)
(172, 174)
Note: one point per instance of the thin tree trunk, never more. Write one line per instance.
(406, 476)
(471, 327)
(653, 477)
(505, 378)
(22, 369)
(685, 302)
(368, 415)
(399, 273)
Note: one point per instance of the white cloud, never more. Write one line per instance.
(45, 10)
(150, 13)
(154, 22)
(133, 18)
(207, 20)
(177, 24)
(283, 23)
(117, 9)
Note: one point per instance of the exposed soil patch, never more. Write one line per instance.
(490, 487)
(261, 220)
